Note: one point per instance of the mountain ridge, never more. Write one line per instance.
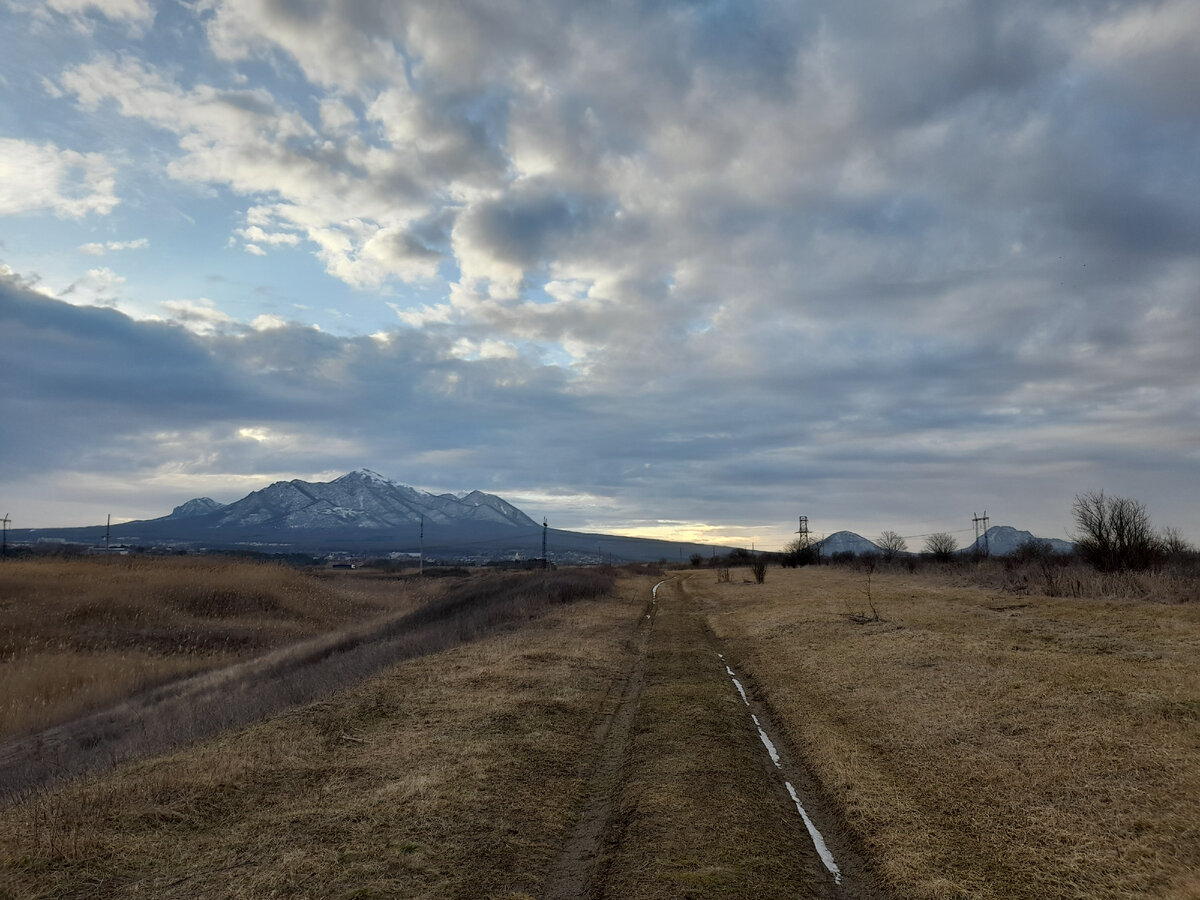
(364, 513)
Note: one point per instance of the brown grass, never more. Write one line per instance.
(167, 716)
(451, 775)
(78, 634)
(702, 811)
(985, 745)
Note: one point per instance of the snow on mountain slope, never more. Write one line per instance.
(846, 542)
(1004, 539)
(362, 499)
(199, 506)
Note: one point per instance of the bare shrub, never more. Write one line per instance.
(1114, 533)
(941, 546)
(759, 568)
(867, 564)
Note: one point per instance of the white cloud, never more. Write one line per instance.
(37, 177)
(100, 248)
(199, 316)
(268, 321)
(129, 11)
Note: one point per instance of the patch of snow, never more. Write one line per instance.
(767, 742)
(737, 684)
(817, 838)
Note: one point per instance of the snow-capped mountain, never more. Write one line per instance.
(364, 513)
(846, 542)
(200, 506)
(361, 499)
(1002, 540)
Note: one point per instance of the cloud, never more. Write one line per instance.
(41, 176)
(726, 259)
(140, 12)
(100, 248)
(200, 316)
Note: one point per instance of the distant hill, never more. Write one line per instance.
(365, 513)
(1001, 540)
(847, 542)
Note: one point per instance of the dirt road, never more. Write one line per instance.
(695, 793)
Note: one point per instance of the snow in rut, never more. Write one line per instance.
(817, 839)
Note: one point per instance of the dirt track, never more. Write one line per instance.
(685, 799)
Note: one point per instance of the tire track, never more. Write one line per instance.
(579, 870)
(850, 875)
(680, 802)
(818, 839)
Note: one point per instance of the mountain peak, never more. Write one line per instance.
(367, 475)
(198, 506)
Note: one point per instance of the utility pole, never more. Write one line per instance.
(545, 561)
(805, 539)
(5, 521)
(977, 521)
(107, 530)
(421, 549)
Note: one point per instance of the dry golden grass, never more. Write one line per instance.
(984, 745)
(452, 775)
(77, 634)
(702, 810)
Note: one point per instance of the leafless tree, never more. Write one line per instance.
(1114, 532)
(941, 545)
(891, 544)
(1174, 543)
(800, 551)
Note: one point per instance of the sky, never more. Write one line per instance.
(677, 269)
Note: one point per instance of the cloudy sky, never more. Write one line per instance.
(682, 269)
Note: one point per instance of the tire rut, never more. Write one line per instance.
(579, 870)
(623, 845)
(853, 877)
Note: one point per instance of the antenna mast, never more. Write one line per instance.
(5, 521)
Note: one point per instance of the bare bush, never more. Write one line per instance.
(1114, 533)
(759, 568)
(800, 551)
(941, 545)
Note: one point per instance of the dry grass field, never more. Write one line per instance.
(78, 634)
(982, 744)
(973, 742)
(451, 775)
